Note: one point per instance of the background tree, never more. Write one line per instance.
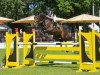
(17, 9)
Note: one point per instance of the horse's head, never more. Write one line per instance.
(39, 19)
(48, 24)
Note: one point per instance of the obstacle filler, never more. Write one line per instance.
(55, 56)
(11, 59)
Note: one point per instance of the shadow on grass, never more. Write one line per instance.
(73, 67)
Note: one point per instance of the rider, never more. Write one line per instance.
(52, 17)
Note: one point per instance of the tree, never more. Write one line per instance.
(17, 9)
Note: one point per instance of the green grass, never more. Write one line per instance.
(46, 70)
(43, 69)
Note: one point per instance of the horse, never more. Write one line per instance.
(47, 25)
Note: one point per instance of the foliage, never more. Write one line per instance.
(17, 9)
(11, 8)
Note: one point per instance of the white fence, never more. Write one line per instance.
(3, 45)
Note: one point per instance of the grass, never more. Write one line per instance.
(43, 69)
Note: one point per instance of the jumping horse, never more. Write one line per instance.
(55, 28)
